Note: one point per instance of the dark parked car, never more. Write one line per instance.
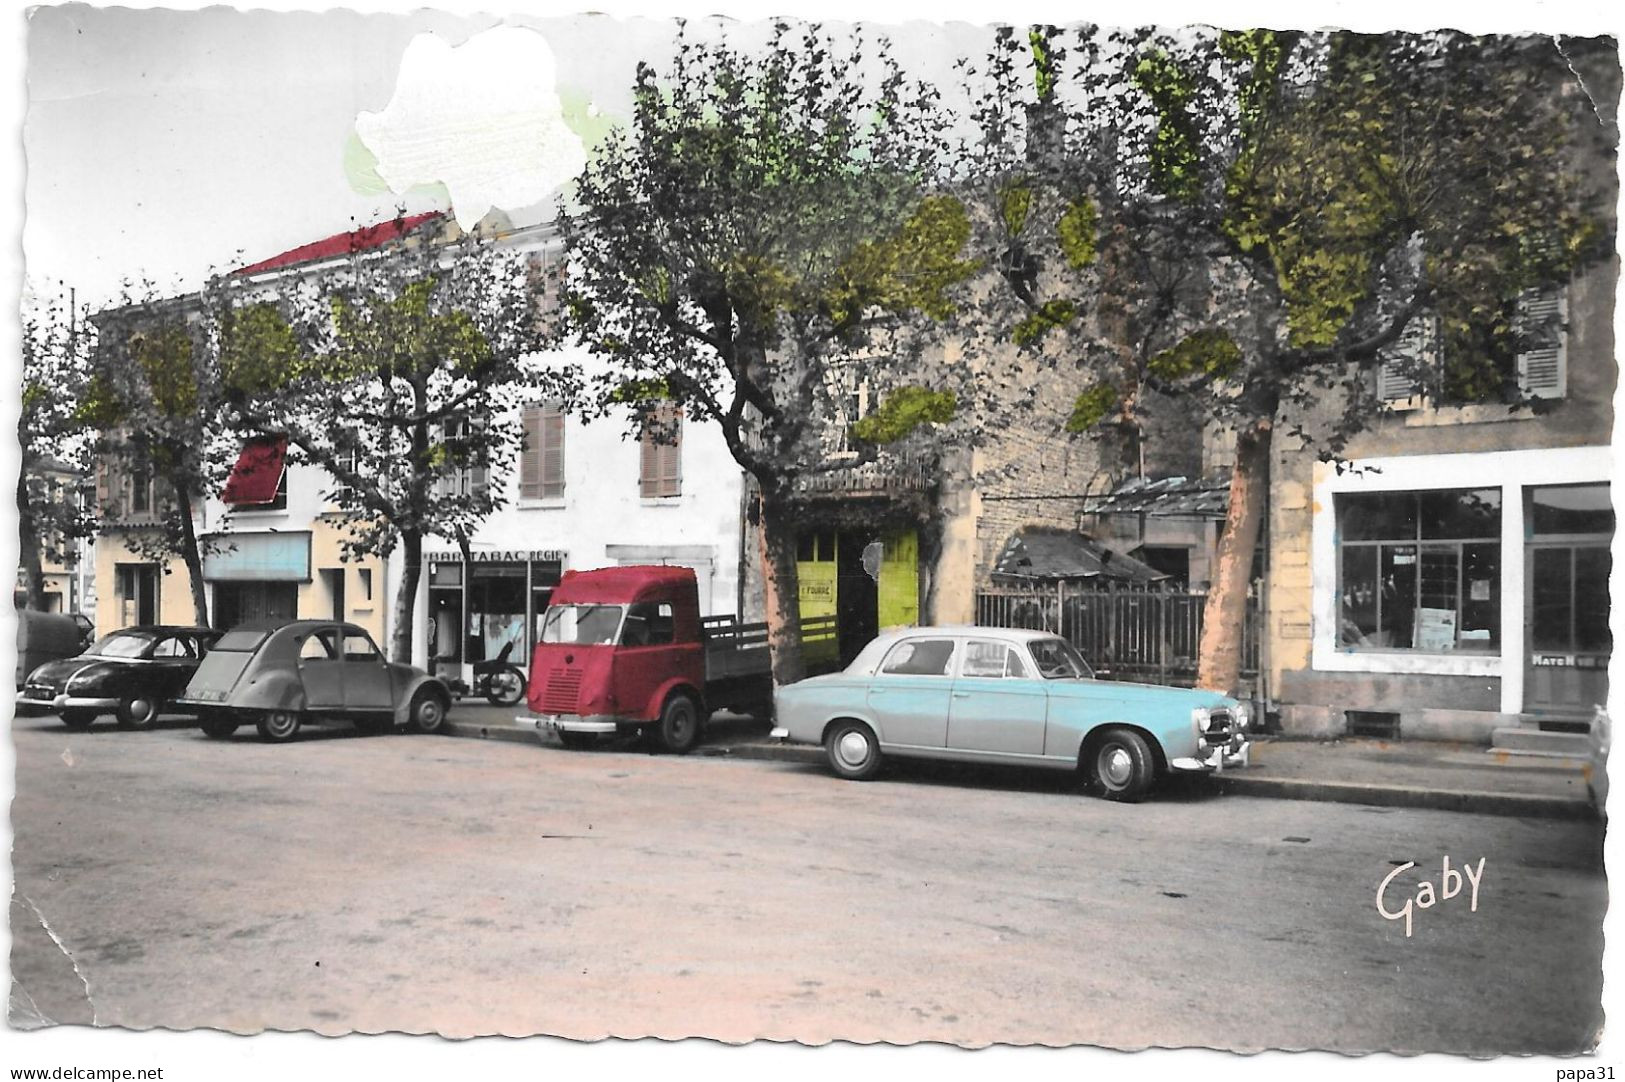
(134, 674)
(279, 676)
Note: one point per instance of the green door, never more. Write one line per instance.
(900, 580)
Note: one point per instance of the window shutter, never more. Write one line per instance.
(671, 471)
(551, 453)
(531, 453)
(1399, 386)
(648, 465)
(104, 486)
(1543, 370)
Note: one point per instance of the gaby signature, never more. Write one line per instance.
(1450, 885)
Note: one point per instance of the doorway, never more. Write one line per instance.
(1566, 606)
(252, 602)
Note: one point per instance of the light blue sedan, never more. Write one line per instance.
(994, 695)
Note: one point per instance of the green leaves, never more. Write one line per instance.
(1051, 314)
(904, 411)
(1092, 406)
(910, 270)
(1209, 354)
(259, 351)
(1175, 167)
(1077, 232)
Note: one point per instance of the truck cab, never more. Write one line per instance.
(621, 649)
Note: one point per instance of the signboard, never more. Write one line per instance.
(498, 556)
(1435, 629)
(257, 557)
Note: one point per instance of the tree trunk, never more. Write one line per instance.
(1224, 616)
(782, 588)
(190, 554)
(406, 598)
(29, 539)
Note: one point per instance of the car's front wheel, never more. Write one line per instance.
(853, 751)
(679, 728)
(278, 726)
(1123, 765)
(427, 713)
(78, 719)
(138, 711)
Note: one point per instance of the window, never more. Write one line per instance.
(541, 458)
(1406, 365)
(1420, 570)
(919, 657)
(259, 479)
(172, 646)
(342, 494)
(991, 660)
(463, 477)
(320, 646)
(1520, 350)
(365, 574)
(1058, 659)
(661, 459)
(358, 647)
(648, 624)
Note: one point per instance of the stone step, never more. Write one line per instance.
(1523, 738)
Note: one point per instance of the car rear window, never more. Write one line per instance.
(243, 641)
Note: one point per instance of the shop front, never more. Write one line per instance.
(256, 576)
(491, 602)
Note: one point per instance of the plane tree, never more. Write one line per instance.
(771, 228)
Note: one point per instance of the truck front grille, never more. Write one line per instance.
(563, 691)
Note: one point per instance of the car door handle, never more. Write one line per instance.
(961, 694)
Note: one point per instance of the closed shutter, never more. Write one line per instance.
(531, 453)
(104, 486)
(552, 451)
(661, 454)
(1543, 369)
(1399, 377)
(545, 277)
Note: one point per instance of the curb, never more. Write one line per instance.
(1384, 796)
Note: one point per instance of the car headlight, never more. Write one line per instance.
(1201, 719)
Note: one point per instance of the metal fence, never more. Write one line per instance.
(1126, 633)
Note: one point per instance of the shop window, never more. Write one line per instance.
(1420, 570)
(660, 472)
(1567, 510)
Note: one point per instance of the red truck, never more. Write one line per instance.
(625, 649)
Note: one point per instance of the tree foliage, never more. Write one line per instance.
(399, 371)
(768, 235)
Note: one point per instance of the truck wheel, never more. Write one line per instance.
(853, 751)
(679, 728)
(78, 719)
(1123, 765)
(218, 728)
(577, 741)
(278, 726)
(427, 713)
(138, 711)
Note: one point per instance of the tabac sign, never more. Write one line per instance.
(499, 556)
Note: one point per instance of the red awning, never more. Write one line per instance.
(258, 473)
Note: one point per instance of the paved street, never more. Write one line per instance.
(468, 887)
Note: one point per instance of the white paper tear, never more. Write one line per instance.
(483, 118)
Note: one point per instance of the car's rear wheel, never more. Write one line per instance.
(853, 751)
(427, 713)
(278, 726)
(679, 728)
(577, 741)
(218, 728)
(1123, 765)
(138, 711)
(78, 719)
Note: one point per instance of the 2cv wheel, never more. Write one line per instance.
(218, 728)
(278, 726)
(1123, 765)
(427, 713)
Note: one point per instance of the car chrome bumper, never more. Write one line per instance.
(1216, 759)
(67, 702)
(568, 723)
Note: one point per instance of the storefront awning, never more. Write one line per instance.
(1047, 554)
(258, 472)
(1167, 497)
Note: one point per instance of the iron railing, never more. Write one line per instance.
(1142, 633)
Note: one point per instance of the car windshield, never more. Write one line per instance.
(240, 641)
(1058, 659)
(582, 625)
(122, 644)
